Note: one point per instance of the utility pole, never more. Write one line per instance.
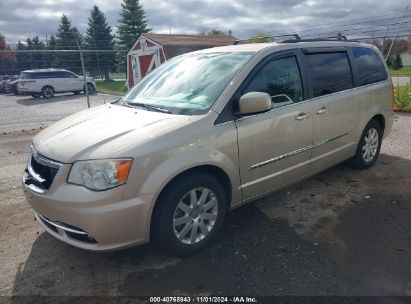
(383, 41)
(84, 73)
(396, 34)
(98, 61)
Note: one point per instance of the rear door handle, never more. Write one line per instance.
(302, 115)
(322, 110)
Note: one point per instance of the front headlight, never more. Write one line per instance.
(100, 174)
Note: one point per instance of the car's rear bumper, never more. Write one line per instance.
(26, 91)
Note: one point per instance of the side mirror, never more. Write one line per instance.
(254, 102)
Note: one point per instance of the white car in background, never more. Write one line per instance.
(47, 82)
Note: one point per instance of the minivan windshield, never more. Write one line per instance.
(189, 84)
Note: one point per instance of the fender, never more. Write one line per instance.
(181, 162)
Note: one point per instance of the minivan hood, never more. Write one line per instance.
(102, 131)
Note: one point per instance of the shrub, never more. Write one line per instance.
(403, 97)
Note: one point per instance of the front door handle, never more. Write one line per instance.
(302, 115)
(322, 110)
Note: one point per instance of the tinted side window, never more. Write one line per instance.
(64, 74)
(57, 75)
(329, 72)
(369, 66)
(281, 79)
(25, 76)
(38, 75)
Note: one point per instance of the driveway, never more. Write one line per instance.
(342, 232)
(401, 80)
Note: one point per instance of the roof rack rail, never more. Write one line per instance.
(250, 40)
(339, 37)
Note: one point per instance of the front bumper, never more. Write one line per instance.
(93, 220)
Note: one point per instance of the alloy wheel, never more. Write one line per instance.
(370, 147)
(48, 92)
(195, 215)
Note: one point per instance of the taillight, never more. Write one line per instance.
(393, 97)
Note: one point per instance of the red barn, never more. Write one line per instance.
(151, 50)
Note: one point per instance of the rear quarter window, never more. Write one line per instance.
(329, 72)
(369, 66)
(25, 76)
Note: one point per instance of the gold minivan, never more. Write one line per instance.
(204, 133)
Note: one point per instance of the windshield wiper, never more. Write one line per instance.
(150, 107)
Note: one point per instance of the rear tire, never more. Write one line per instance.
(47, 92)
(76, 92)
(190, 213)
(368, 148)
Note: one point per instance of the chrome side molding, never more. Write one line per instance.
(298, 151)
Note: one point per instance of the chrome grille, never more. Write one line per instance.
(41, 172)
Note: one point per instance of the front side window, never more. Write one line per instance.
(370, 69)
(329, 73)
(58, 74)
(189, 84)
(281, 79)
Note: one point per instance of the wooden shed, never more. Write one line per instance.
(150, 50)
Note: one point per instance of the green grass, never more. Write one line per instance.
(111, 86)
(403, 97)
(403, 72)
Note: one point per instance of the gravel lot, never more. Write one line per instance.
(19, 113)
(342, 232)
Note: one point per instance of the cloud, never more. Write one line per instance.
(32, 17)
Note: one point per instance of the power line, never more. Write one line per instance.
(58, 51)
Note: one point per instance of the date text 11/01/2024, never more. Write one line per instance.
(203, 299)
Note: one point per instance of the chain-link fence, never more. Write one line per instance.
(38, 88)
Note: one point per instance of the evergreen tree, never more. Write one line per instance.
(390, 61)
(52, 45)
(28, 58)
(21, 58)
(99, 37)
(39, 60)
(67, 38)
(131, 25)
(397, 64)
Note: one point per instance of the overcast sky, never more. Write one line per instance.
(22, 18)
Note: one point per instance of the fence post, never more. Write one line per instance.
(84, 74)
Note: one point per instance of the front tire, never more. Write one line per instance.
(90, 88)
(47, 92)
(190, 213)
(368, 148)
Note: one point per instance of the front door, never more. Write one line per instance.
(275, 146)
